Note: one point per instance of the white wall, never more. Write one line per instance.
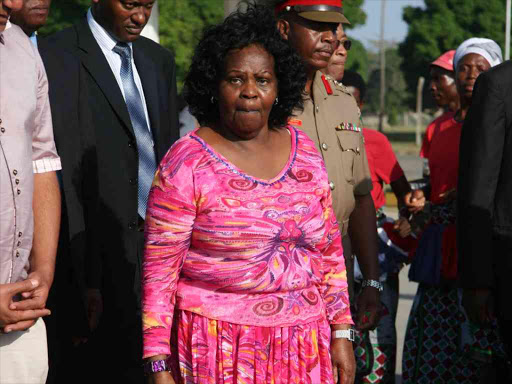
(151, 29)
(230, 6)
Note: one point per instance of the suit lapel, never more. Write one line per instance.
(97, 65)
(147, 73)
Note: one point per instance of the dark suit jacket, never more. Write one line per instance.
(117, 269)
(485, 187)
(74, 138)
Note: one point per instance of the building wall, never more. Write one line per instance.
(151, 29)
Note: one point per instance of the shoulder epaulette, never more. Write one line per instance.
(343, 88)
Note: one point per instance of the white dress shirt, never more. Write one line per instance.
(107, 43)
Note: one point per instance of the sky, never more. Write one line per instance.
(395, 29)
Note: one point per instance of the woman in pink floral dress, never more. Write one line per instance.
(243, 257)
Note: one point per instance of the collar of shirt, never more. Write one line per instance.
(107, 42)
(104, 39)
(7, 26)
(33, 38)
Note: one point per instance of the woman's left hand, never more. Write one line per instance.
(343, 361)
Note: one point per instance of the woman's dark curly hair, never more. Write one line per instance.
(255, 25)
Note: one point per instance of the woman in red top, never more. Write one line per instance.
(440, 345)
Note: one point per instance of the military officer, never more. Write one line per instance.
(332, 119)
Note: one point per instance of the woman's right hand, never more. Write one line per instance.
(164, 377)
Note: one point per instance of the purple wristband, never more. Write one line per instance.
(151, 367)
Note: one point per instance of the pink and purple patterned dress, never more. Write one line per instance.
(251, 272)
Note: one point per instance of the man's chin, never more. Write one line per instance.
(129, 38)
(318, 64)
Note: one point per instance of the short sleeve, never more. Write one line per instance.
(427, 140)
(44, 152)
(362, 176)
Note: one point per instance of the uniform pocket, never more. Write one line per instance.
(349, 143)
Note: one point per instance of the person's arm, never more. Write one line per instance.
(400, 188)
(481, 154)
(334, 290)
(170, 217)
(362, 230)
(47, 209)
(388, 169)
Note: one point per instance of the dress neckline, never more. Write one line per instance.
(233, 168)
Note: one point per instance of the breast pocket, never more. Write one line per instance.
(349, 143)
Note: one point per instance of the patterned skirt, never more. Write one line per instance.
(217, 352)
(441, 345)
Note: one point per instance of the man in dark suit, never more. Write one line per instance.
(484, 211)
(131, 96)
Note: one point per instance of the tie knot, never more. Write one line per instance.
(123, 50)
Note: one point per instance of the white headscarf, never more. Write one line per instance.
(484, 47)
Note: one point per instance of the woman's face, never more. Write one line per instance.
(468, 69)
(336, 66)
(247, 91)
(442, 86)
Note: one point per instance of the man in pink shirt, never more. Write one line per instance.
(29, 204)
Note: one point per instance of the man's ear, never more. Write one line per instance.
(283, 27)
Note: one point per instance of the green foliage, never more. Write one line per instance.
(396, 86)
(357, 60)
(63, 13)
(181, 26)
(353, 10)
(442, 26)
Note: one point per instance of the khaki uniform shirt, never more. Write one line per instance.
(331, 119)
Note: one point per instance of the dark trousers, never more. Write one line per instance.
(504, 368)
(113, 352)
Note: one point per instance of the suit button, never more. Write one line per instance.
(2, 129)
(14, 172)
(17, 253)
(131, 144)
(324, 146)
(133, 181)
(132, 226)
(332, 186)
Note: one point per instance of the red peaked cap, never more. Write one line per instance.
(329, 11)
(445, 61)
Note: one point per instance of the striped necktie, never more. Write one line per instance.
(147, 159)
